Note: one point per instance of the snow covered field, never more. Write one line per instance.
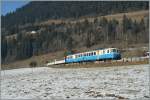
(54, 83)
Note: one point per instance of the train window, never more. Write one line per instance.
(94, 53)
(90, 54)
(103, 51)
(76, 56)
(107, 51)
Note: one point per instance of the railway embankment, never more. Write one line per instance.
(122, 62)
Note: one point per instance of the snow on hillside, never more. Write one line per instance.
(52, 83)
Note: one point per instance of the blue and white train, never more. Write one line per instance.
(95, 55)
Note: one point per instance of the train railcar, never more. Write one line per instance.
(101, 55)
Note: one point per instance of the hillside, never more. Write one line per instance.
(99, 30)
(37, 11)
(42, 59)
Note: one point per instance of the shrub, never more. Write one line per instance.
(33, 64)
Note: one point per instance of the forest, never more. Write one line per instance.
(18, 42)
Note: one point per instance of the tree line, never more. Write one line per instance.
(67, 36)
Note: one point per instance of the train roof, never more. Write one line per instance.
(90, 51)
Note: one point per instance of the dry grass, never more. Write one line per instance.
(136, 15)
(41, 60)
(133, 15)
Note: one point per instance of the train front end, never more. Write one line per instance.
(116, 55)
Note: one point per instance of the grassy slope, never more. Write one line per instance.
(41, 59)
(137, 15)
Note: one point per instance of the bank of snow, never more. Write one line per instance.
(49, 83)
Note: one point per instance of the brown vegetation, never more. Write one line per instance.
(137, 15)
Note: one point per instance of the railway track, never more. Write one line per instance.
(131, 60)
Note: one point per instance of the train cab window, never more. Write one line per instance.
(114, 50)
(118, 51)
